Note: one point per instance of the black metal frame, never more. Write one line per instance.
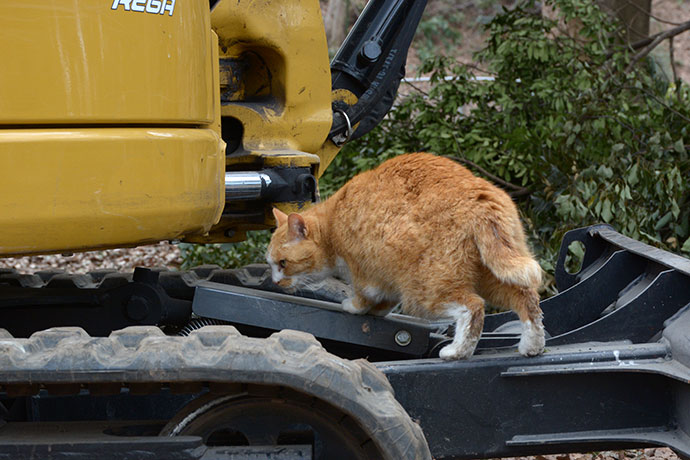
(570, 400)
(100, 302)
(86, 440)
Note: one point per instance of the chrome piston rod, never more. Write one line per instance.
(245, 185)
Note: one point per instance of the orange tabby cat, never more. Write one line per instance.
(422, 231)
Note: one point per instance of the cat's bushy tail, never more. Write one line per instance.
(504, 252)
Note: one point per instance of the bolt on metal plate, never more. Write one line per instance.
(403, 338)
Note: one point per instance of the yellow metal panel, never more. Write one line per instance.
(81, 61)
(277, 59)
(275, 79)
(215, 124)
(72, 189)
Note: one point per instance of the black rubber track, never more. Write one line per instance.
(63, 358)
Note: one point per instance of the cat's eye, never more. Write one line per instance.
(282, 263)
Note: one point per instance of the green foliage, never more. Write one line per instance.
(228, 255)
(438, 31)
(564, 118)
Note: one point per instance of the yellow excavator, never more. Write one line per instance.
(127, 122)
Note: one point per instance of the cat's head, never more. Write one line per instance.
(295, 254)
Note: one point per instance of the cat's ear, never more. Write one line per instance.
(297, 228)
(280, 216)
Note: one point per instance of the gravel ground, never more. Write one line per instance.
(162, 254)
(632, 454)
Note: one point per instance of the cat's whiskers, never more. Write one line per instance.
(310, 279)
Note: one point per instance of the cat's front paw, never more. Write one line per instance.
(350, 307)
(455, 351)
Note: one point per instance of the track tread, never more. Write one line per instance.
(177, 284)
(144, 355)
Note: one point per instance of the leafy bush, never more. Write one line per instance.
(439, 31)
(227, 255)
(574, 131)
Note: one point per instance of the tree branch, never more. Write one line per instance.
(516, 189)
(660, 102)
(474, 66)
(417, 88)
(646, 41)
(655, 40)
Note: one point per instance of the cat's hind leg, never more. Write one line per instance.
(526, 305)
(524, 302)
(467, 309)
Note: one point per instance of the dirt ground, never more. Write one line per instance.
(168, 255)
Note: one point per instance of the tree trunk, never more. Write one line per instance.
(633, 14)
(335, 22)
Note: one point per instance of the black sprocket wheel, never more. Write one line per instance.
(274, 416)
